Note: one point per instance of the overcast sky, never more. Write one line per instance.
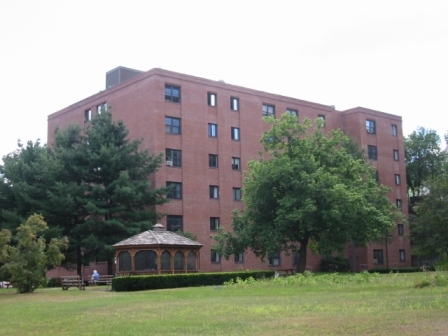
(390, 56)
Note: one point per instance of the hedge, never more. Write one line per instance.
(146, 282)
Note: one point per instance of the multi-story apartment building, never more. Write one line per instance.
(210, 129)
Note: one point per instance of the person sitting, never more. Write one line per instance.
(95, 277)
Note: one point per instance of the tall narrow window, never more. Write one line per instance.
(370, 126)
(397, 179)
(237, 194)
(396, 156)
(322, 117)
(212, 130)
(268, 110)
(372, 152)
(175, 190)
(88, 115)
(236, 163)
(394, 130)
(173, 157)
(211, 99)
(172, 93)
(213, 161)
(214, 223)
(400, 229)
(378, 257)
(172, 125)
(215, 257)
(234, 104)
(239, 258)
(214, 192)
(235, 133)
(174, 223)
(402, 255)
(399, 204)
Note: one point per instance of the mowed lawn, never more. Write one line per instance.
(387, 305)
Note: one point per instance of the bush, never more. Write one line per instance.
(334, 264)
(146, 282)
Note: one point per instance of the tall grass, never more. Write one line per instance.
(310, 304)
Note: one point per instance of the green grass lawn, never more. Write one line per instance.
(386, 305)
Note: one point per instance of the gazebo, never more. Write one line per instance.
(157, 251)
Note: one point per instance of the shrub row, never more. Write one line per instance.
(400, 270)
(146, 282)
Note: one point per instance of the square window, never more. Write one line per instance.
(400, 229)
(212, 130)
(172, 125)
(101, 108)
(292, 112)
(268, 110)
(215, 257)
(88, 115)
(214, 223)
(211, 99)
(372, 152)
(214, 192)
(378, 257)
(173, 157)
(237, 194)
(172, 93)
(239, 258)
(236, 163)
(394, 130)
(213, 161)
(397, 179)
(402, 255)
(235, 133)
(370, 126)
(396, 156)
(175, 190)
(174, 223)
(274, 259)
(399, 204)
(234, 104)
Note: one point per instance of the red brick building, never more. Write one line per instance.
(210, 129)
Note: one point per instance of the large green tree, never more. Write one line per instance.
(27, 257)
(307, 188)
(424, 158)
(92, 185)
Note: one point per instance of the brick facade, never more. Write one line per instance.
(140, 102)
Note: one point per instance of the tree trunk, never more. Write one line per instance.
(301, 265)
(78, 261)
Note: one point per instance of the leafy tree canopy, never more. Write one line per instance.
(307, 187)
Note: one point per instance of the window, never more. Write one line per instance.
(370, 126)
(239, 258)
(101, 108)
(397, 179)
(400, 229)
(215, 257)
(274, 259)
(87, 115)
(172, 93)
(172, 125)
(321, 117)
(372, 152)
(213, 161)
(176, 190)
(236, 163)
(174, 223)
(214, 223)
(212, 130)
(402, 255)
(173, 157)
(235, 133)
(211, 99)
(268, 110)
(295, 258)
(214, 192)
(394, 130)
(237, 194)
(378, 257)
(396, 156)
(399, 204)
(292, 112)
(234, 104)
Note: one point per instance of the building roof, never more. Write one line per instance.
(158, 237)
